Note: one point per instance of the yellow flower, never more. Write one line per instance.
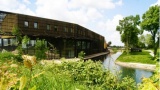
(29, 61)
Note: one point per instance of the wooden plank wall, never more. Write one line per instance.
(9, 22)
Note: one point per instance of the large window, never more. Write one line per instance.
(72, 31)
(5, 42)
(65, 29)
(55, 28)
(35, 25)
(48, 27)
(25, 23)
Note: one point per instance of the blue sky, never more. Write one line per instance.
(100, 16)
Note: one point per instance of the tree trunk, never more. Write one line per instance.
(155, 45)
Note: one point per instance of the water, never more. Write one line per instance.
(136, 74)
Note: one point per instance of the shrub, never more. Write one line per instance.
(80, 75)
(40, 48)
(92, 75)
(81, 55)
(9, 56)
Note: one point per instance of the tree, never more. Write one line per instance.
(40, 48)
(17, 33)
(145, 40)
(128, 28)
(149, 41)
(109, 43)
(141, 41)
(150, 22)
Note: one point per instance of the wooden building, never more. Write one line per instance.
(68, 38)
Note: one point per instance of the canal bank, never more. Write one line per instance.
(135, 73)
(136, 65)
(148, 67)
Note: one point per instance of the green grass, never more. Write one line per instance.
(137, 57)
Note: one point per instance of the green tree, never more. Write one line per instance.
(25, 40)
(109, 43)
(128, 28)
(150, 22)
(16, 32)
(141, 41)
(40, 48)
(149, 41)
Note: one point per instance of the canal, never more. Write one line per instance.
(136, 74)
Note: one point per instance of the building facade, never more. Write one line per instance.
(68, 38)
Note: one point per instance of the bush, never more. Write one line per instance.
(80, 75)
(81, 55)
(92, 75)
(40, 48)
(9, 56)
(6, 56)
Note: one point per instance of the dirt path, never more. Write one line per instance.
(148, 67)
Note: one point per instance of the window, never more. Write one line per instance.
(0, 42)
(72, 31)
(55, 28)
(35, 25)
(48, 27)
(65, 29)
(5, 42)
(25, 23)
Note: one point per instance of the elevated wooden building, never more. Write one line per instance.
(68, 38)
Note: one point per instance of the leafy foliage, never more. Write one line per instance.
(17, 33)
(91, 75)
(4, 56)
(150, 22)
(40, 48)
(151, 83)
(80, 75)
(129, 30)
(25, 39)
(81, 55)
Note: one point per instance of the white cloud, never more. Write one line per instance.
(15, 6)
(76, 11)
(109, 30)
(8, 5)
(119, 3)
(103, 4)
(27, 1)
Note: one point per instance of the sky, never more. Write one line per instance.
(100, 16)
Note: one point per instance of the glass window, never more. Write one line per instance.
(25, 23)
(83, 45)
(0, 42)
(65, 29)
(5, 42)
(72, 31)
(55, 28)
(33, 42)
(12, 42)
(48, 27)
(35, 25)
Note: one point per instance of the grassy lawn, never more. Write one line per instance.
(137, 57)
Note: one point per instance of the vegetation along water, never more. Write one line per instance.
(81, 75)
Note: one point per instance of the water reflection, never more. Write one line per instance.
(136, 74)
